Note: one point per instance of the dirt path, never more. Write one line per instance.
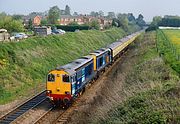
(105, 93)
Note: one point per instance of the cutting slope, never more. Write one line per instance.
(24, 64)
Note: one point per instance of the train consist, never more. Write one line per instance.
(65, 83)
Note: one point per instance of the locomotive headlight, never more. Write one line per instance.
(49, 91)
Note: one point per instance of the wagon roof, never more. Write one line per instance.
(71, 67)
(99, 52)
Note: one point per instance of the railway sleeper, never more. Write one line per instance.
(10, 118)
(17, 114)
(62, 120)
(26, 108)
(5, 122)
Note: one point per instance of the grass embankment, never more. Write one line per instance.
(151, 88)
(168, 44)
(24, 64)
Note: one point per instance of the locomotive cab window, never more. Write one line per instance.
(66, 78)
(51, 77)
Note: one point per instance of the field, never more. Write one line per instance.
(24, 64)
(174, 37)
(168, 44)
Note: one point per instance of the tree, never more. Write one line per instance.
(94, 14)
(75, 14)
(16, 26)
(115, 22)
(123, 21)
(33, 14)
(101, 13)
(17, 17)
(171, 21)
(9, 24)
(155, 23)
(111, 15)
(94, 24)
(140, 20)
(2, 15)
(156, 20)
(30, 24)
(67, 10)
(131, 18)
(53, 15)
(44, 22)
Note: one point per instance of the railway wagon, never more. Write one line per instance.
(117, 48)
(67, 82)
(102, 58)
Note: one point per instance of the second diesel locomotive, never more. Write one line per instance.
(67, 82)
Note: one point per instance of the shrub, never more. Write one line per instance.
(72, 28)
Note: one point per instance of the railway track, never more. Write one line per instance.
(21, 109)
(57, 115)
(40, 119)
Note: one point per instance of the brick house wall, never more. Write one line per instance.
(66, 19)
(37, 20)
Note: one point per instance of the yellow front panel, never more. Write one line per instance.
(59, 87)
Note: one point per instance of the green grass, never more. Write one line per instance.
(152, 89)
(168, 44)
(24, 64)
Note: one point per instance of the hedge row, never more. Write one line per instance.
(72, 28)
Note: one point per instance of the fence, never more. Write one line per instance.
(167, 43)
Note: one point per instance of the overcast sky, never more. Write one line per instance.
(148, 8)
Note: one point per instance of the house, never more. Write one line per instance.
(26, 20)
(44, 30)
(83, 19)
(67, 19)
(36, 21)
(104, 22)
